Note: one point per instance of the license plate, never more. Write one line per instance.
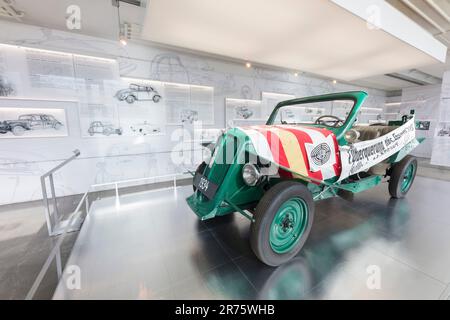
(205, 186)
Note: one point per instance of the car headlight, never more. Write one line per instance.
(250, 174)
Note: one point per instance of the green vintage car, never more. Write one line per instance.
(310, 149)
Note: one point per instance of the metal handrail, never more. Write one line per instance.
(55, 253)
(74, 216)
(54, 224)
(62, 164)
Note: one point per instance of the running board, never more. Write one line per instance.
(361, 185)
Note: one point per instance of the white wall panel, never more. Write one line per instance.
(124, 157)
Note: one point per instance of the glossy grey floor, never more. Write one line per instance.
(152, 246)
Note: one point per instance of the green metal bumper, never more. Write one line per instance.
(204, 210)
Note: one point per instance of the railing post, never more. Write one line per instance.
(46, 208)
(117, 196)
(55, 205)
(58, 263)
(86, 202)
(53, 219)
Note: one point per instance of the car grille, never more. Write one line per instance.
(226, 153)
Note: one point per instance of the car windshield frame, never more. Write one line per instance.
(357, 96)
(304, 104)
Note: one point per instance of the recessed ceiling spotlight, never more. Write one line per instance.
(334, 81)
(296, 74)
(248, 65)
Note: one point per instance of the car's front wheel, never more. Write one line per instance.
(18, 130)
(283, 220)
(130, 99)
(402, 176)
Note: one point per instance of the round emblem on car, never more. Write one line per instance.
(321, 154)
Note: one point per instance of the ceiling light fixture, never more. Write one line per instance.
(392, 103)
(122, 36)
(296, 74)
(248, 65)
(334, 81)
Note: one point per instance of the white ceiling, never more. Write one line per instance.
(314, 36)
(433, 16)
(383, 82)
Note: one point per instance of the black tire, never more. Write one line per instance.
(156, 98)
(130, 99)
(265, 212)
(18, 130)
(398, 171)
(201, 168)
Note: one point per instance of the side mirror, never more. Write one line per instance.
(351, 136)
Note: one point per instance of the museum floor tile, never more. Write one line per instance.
(426, 169)
(25, 244)
(151, 246)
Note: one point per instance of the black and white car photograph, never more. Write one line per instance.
(136, 92)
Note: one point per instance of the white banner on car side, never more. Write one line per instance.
(361, 156)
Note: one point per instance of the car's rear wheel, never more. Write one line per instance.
(57, 126)
(283, 220)
(156, 98)
(402, 176)
(18, 130)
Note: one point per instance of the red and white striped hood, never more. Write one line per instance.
(307, 151)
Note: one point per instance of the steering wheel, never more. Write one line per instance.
(334, 122)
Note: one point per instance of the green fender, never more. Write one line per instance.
(405, 150)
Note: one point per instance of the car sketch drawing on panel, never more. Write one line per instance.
(145, 128)
(106, 129)
(30, 122)
(189, 115)
(443, 130)
(6, 89)
(243, 112)
(137, 92)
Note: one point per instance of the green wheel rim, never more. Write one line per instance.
(408, 177)
(288, 225)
